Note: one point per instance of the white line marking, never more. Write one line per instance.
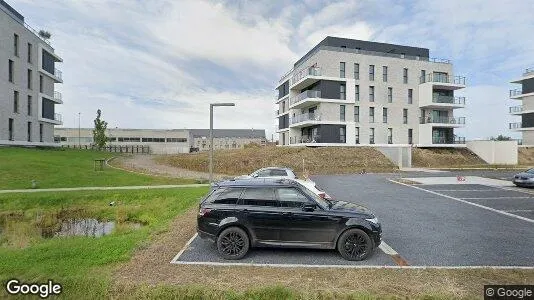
(387, 249)
(175, 259)
(465, 190)
(520, 210)
(227, 264)
(480, 198)
(467, 202)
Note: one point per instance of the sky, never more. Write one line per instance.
(159, 63)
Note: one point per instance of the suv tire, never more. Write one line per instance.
(233, 243)
(355, 244)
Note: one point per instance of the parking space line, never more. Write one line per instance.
(465, 190)
(467, 202)
(184, 248)
(520, 210)
(399, 260)
(479, 198)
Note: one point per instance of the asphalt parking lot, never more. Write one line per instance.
(428, 225)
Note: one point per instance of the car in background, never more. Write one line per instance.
(271, 172)
(238, 215)
(310, 185)
(524, 179)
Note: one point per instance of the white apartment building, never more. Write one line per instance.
(28, 75)
(347, 92)
(526, 110)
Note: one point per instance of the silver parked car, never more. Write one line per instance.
(271, 172)
(524, 179)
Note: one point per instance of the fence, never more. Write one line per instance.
(135, 149)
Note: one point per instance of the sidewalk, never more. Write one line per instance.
(104, 188)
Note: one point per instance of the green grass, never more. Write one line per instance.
(83, 265)
(58, 168)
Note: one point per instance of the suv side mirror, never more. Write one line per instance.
(308, 207)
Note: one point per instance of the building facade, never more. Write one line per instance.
(27, 83)
(526, 110)
(164, 141)
(352, 92)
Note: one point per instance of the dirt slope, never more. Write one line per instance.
(445, 157)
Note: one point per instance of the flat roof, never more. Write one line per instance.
(13, 11)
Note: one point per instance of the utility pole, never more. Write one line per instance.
(211, 135)
(79, 130)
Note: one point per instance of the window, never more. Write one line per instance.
(41, 88)
(405, 116)
(30, 53)
(371, 72)
(11, 133)
(228, 196)
(16, 102)
(371, 135)
(405, 75)
(390, 135)
(356, 71)
(291, 197)
(390, 95)
(342, 113)
(11, 71)
(371, 94)
(30, 79)
(371, 114)
(342, 69)
(356, 114)
(422, 79)
(29, 131)
(342, 92)
(16, 44)
(357, 93)
(259, 197)
(410, 96)
(410, 136)
(342, 135)
(384, 115)
(29, 105)
(385, 73)
(357, 135)
(278, 172)
(177, 140)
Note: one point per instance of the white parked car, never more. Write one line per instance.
(310, 185)
(270, 172)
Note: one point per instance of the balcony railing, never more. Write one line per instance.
(310, 71)
(305, 95)
(305, 117)
(441, 120)
(448, 99)
(442, 78)
(444, 140)
(515, 92)
(58, 117)
(516, 109)
(58, 74)
(276, 112)
(58, 96)
(515, 125)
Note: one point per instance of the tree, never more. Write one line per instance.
(99, 133)
(45, 34)
(501, 137)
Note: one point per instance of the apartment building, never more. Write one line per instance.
(352, 92)
(526, 110)
(28, 76)
(164, 141)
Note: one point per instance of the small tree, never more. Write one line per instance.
(99, 133)
(45, 34)
(501, 137)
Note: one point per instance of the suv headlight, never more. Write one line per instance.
(373, 220)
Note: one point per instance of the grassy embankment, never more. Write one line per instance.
(61, 168)
(325, 160)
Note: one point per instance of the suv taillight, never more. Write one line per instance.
(204, 211)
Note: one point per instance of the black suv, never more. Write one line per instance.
(240, 214)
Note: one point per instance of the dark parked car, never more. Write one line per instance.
(240, 214)
(524, 179)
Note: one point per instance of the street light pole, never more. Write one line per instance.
(79, 129)
(211, 135)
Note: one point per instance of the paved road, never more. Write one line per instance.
(429, 229)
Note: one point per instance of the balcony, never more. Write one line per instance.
(443, 121)
(518, 94)
(305, 77)
(443, 140)
(443, 81)
(57, 120)
(439, 101)
(516, 110)
(305, 139)
(515, 126)
(58, 97)
(304, 98)
(277, 112)
(305, 118)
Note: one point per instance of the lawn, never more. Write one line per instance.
(58, 168)
(83, 265)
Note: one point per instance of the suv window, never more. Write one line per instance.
(228, 196)
(278, 172)
(291, 197)
(259, 197)
(263, 173)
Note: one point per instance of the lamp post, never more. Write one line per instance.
(79, 129)
(211, 135)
